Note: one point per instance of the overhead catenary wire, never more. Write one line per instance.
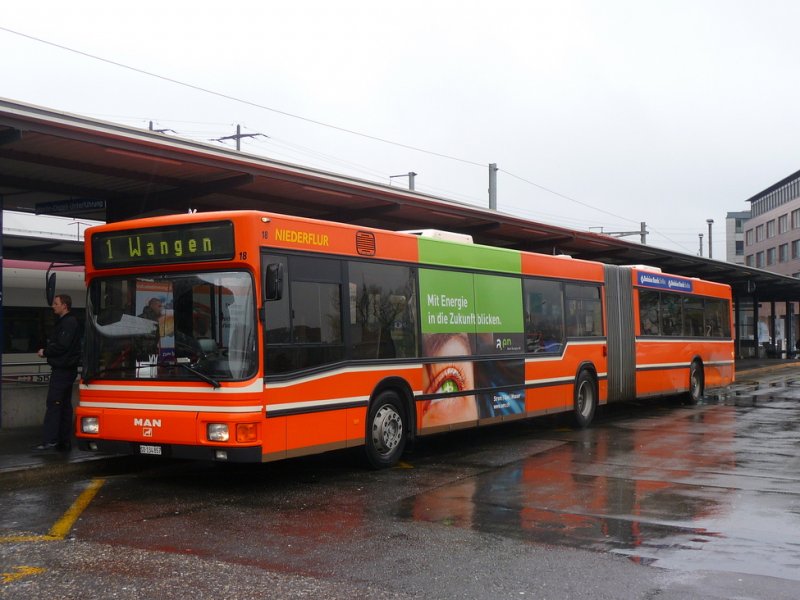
(236, 99)
(314, 121)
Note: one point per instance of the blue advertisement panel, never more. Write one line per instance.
(664, 282)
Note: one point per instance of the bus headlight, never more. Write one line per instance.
(90, 425)
(218, 432)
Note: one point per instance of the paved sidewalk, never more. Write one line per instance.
(17, 457)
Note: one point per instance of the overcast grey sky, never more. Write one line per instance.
(598, 113)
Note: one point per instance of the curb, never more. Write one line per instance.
(92, 465)
(755, 371)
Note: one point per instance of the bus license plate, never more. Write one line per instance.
(155, 450)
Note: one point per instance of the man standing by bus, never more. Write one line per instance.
(63, 352)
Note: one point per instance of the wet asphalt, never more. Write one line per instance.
(655, 500)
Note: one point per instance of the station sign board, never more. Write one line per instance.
(69, 207)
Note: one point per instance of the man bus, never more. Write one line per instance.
(281, 336)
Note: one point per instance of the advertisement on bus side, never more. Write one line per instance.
(464, 316)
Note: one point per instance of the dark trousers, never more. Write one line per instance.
(58, 417)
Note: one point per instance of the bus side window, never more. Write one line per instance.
(648, 313)
(716, 319)
(693, 317)
(274, 281)
(671, 315)
(584, 313)
(304, 326)
(544, 322)
(382, 310)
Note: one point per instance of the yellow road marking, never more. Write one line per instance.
(24, 538)
(20, 573)
(61, 528)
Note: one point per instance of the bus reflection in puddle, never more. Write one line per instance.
(636, 488)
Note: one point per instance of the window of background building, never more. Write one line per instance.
(739, 225)
(759, 233)
(759, 260)
(783, 223)
(770, 256)
(783, 252)
(796, 249)
(739, 248)
(771, 228)
(748, 237)
(796, 219)
(748, 260)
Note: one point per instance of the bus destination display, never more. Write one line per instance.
(198, 242)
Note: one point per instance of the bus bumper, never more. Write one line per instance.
(250, 454)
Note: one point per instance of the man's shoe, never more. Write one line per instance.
(45, 447)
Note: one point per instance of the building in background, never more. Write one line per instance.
(772, 243)
(734, 236)
(772, 235)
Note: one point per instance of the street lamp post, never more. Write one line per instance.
(710, 223)
(700, 253)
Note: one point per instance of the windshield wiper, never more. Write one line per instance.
(180, 362)
(185, 364)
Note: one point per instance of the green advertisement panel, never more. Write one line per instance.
(470, 303)
(448, 302)
(498, 304)
(469, 256)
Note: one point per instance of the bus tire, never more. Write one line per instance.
(696, 383)
(387, 430)
(585, 399)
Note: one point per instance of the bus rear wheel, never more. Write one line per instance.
(696, 383)
(585, 399)
(387, 430)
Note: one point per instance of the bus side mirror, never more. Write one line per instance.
(50, 287)
(274, 282)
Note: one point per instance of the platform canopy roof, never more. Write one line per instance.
(57, 163)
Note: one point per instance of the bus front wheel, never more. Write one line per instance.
(585, 399)
(386, 431)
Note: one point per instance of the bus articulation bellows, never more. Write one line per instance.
(248, 336)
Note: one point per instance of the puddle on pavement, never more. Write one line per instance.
(708, 488)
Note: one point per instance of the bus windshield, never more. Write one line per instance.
(174, 326)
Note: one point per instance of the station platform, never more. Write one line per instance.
(19, 459)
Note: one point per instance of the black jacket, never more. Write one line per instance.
(63, 349)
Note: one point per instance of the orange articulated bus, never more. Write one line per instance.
(246, 336)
